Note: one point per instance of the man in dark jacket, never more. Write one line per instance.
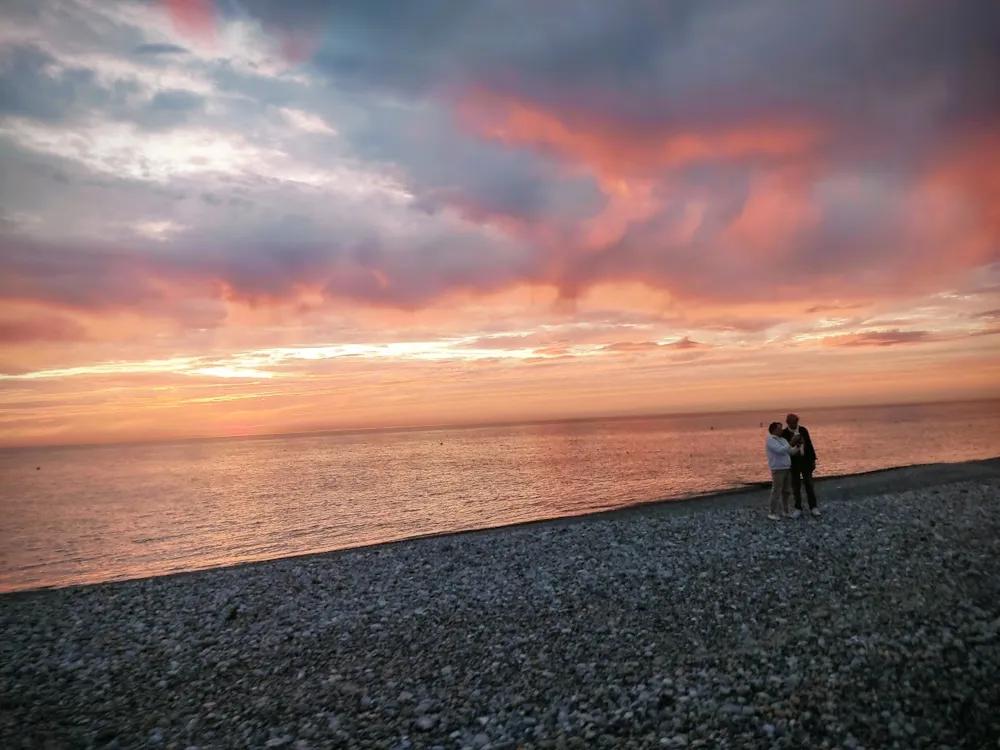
(803, 466)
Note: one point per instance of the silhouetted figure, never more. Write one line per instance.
(779, 461)
(803, 465)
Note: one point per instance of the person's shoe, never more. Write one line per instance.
(815, 512)
(795, 513)
(773, 517)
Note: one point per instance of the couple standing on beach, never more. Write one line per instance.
(792, 460)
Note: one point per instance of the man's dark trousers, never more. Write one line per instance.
(802, 468)
(802, 475)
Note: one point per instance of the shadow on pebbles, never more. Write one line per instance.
(874, 626)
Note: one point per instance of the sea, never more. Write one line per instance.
(87, 514)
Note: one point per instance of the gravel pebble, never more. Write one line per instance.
(876, 625)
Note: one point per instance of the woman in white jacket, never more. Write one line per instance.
(779, 461)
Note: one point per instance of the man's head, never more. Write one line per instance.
(792, 420)
(774, 428)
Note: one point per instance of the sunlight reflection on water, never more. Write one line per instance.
(109, 512)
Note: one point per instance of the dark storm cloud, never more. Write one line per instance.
(887, 84)
(368, 43)
(160, 49)
(35, 85)
(28, 89)
(712, 268)
(92, 278)
(266, 263)
(484, 180)
(169, 109)
(652, 63)
(39, 328)
(890, 84)
(80, 277)
(372, 272)
(886, 80)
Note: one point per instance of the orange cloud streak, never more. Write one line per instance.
(616, 155)
(947, 221)
(633, 168)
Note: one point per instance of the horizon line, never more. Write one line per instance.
(481, 425)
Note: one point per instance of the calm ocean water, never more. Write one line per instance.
(112, 512)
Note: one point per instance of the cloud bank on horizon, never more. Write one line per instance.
(199, 180)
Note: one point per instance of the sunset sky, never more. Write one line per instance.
(245, 216)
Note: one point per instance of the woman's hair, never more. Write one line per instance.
(774, 425)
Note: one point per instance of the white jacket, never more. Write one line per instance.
(779, 453)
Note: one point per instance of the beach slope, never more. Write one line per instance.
(877, 625)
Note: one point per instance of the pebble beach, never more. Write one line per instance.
(698, 624)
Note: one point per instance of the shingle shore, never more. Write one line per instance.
(876, 626)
